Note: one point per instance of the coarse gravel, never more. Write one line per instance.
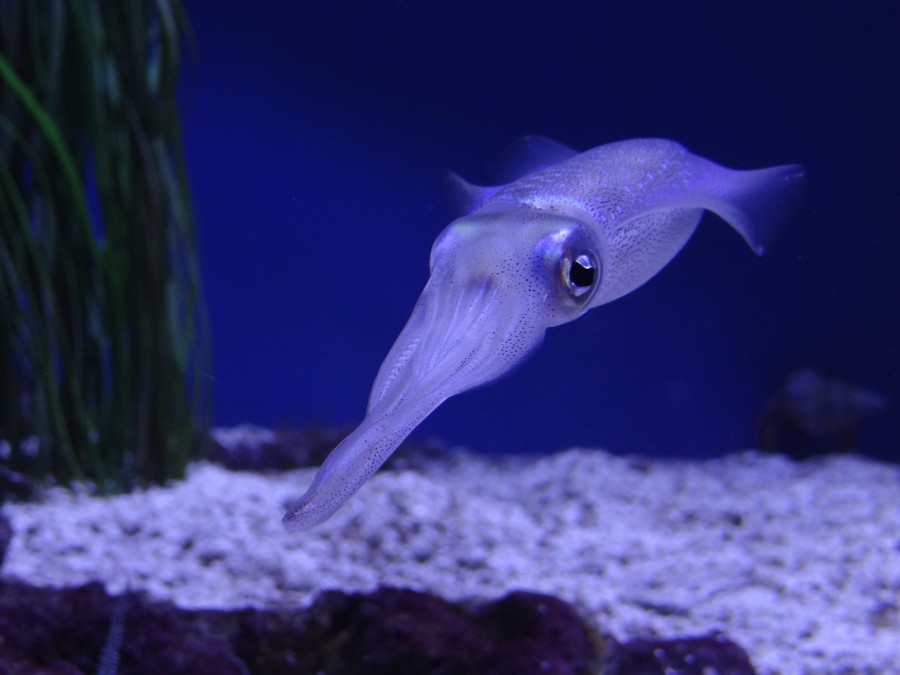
(798, 562)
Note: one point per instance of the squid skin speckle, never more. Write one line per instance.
(565, 233)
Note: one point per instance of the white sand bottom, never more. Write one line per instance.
(797, 562)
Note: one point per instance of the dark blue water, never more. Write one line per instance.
(319, 134)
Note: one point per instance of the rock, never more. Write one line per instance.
(712, 653)
(814, 413)
(50, 631)
(251, 448)
(6, 533)
(388, 631)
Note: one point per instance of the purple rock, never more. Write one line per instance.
(712, 653)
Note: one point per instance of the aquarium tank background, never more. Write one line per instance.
(318, 136)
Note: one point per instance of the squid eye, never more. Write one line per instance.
(580, 275)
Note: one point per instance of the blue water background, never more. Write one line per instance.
(319, 133)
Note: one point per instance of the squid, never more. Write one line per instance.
(564, 233)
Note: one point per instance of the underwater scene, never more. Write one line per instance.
(446, 338)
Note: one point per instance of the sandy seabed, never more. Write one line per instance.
(798, 562)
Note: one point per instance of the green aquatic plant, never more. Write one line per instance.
(103, 337)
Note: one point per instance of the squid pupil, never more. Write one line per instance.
(582, 273)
